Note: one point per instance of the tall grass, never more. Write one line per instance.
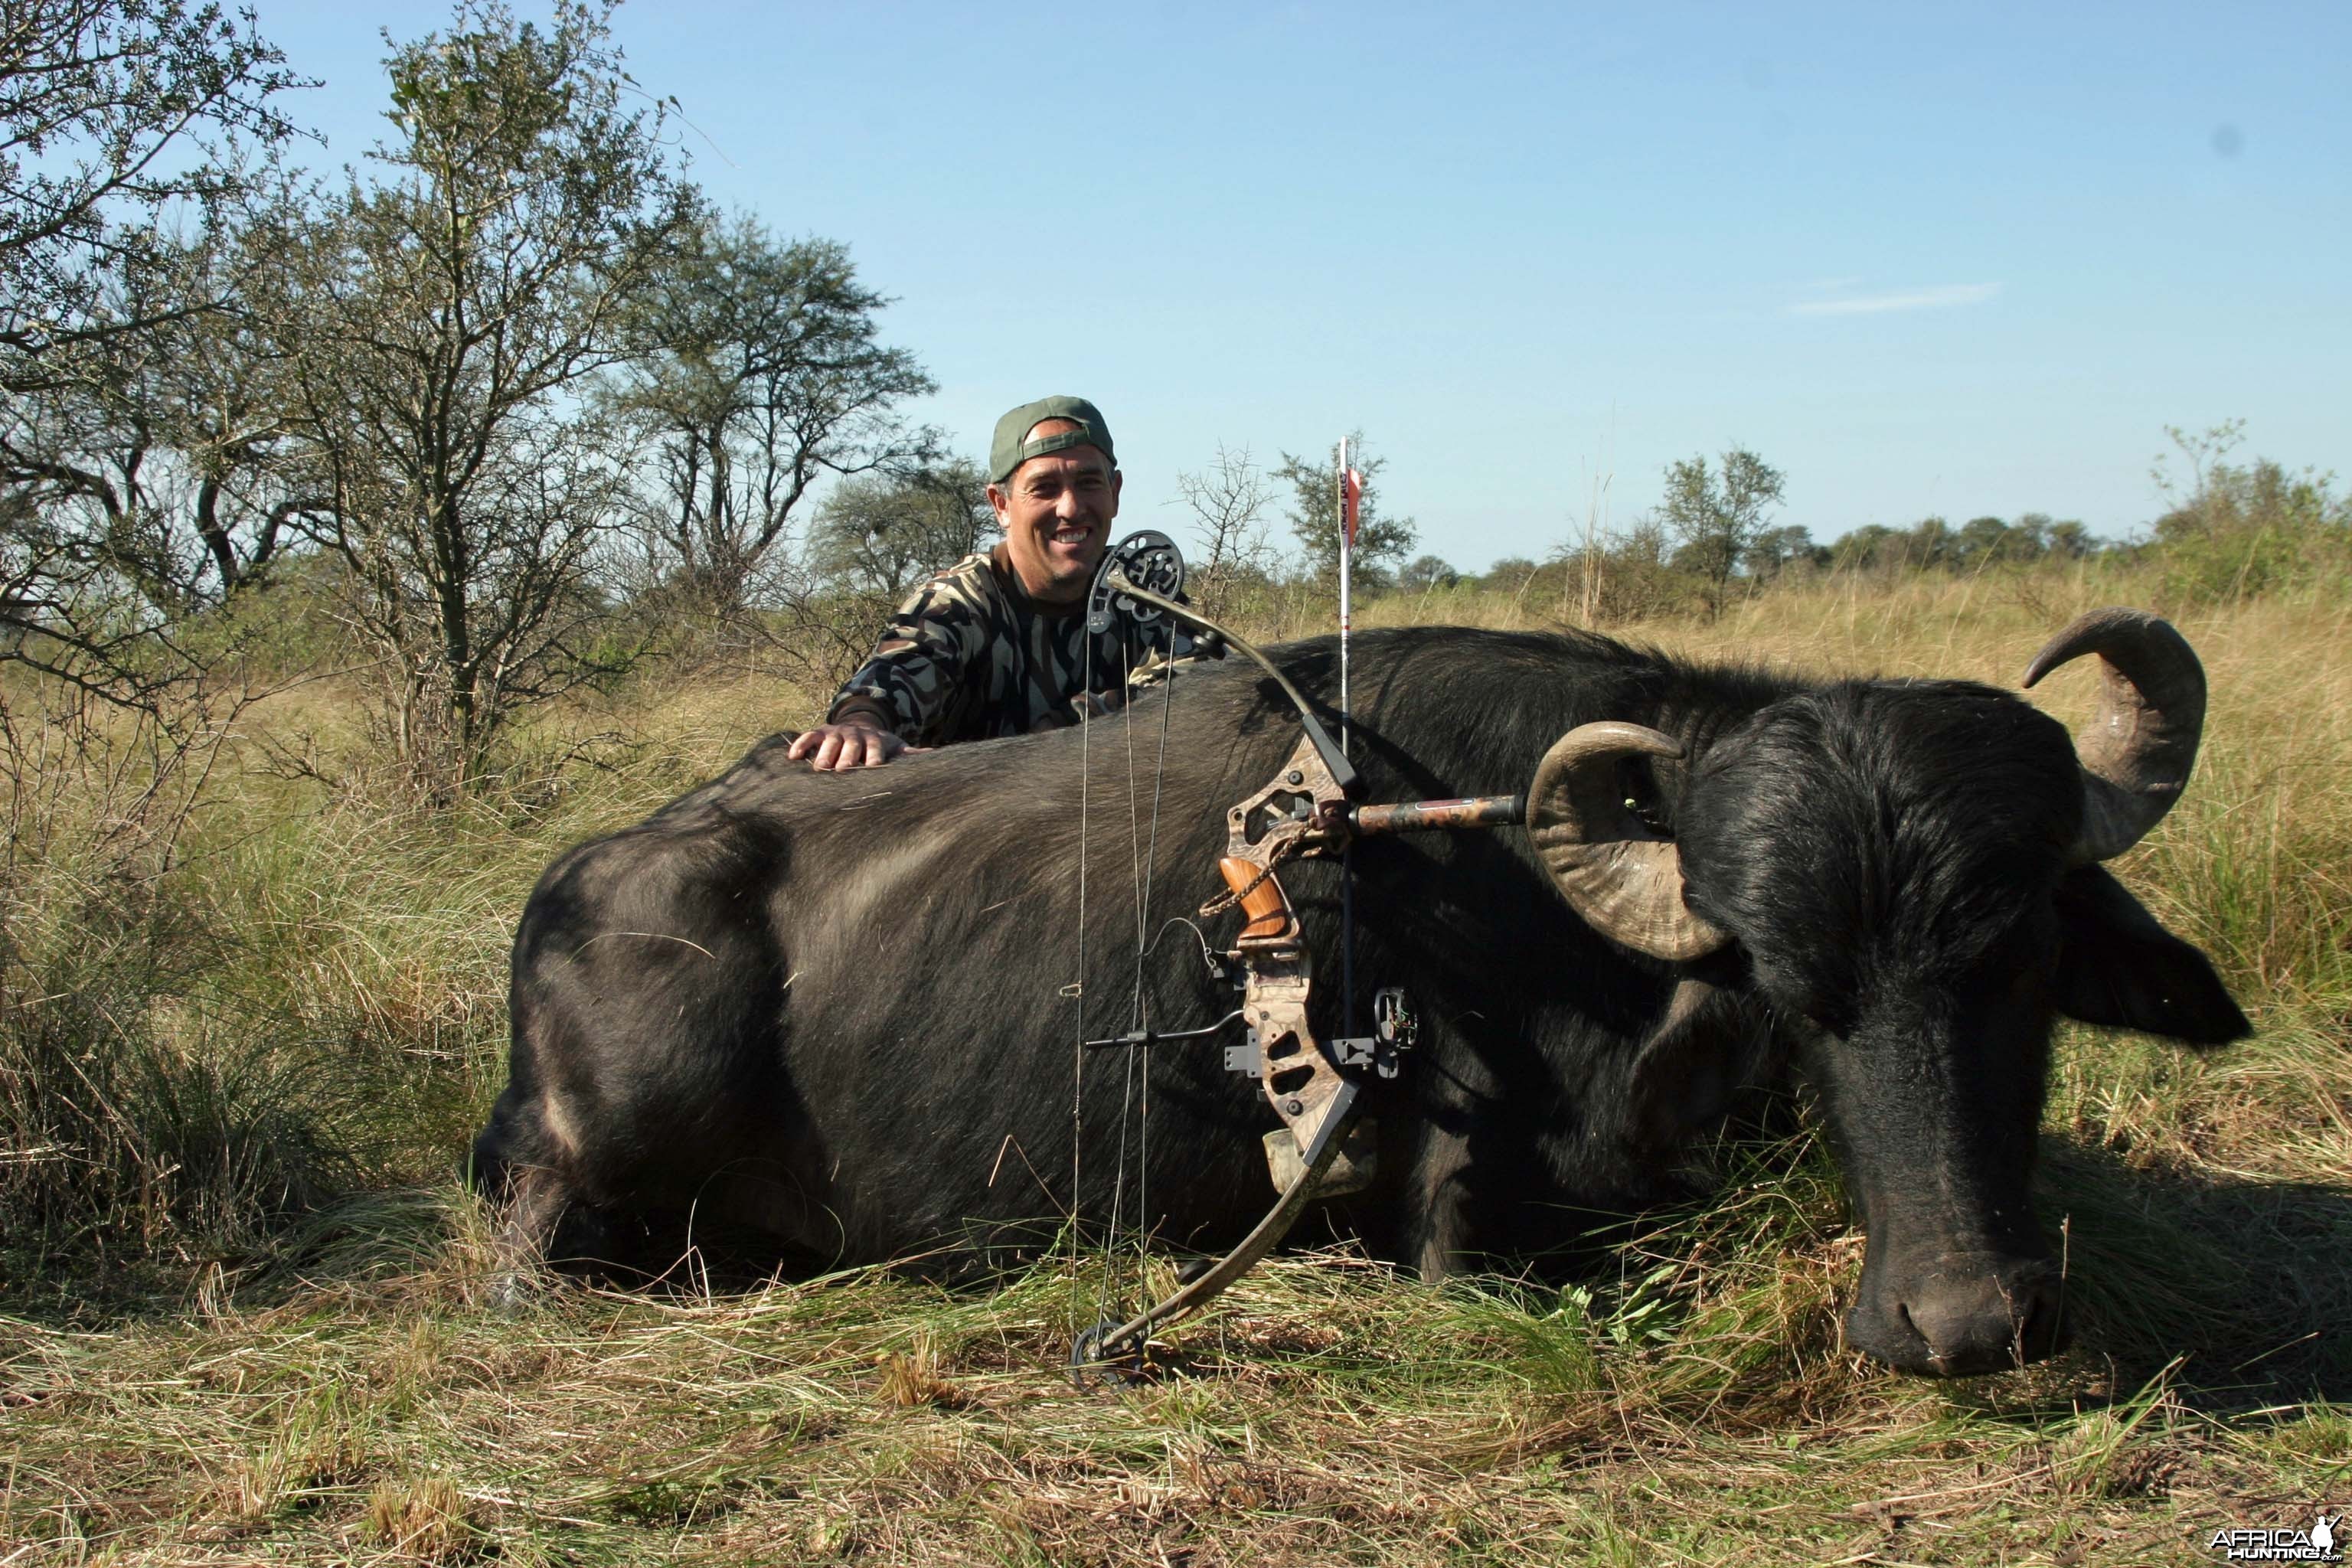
(189, 1035)
(247, 1314)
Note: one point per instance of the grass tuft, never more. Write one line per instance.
(912, 1377)
(425, 1520)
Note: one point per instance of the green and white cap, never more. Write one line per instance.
(1009, 450)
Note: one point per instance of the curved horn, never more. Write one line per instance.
(1625, 880)
(2136, 754)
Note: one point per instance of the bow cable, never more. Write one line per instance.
(1137, 1010)
(1132, 1114)
(1078, 989)
(1142, 851)
(1143, 942)
(1351, 493)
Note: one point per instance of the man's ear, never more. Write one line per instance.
(1706, 1048)
(2117, 966)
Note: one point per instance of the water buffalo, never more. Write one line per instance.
(842, 1009)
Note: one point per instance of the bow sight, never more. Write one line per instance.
(1308, 810)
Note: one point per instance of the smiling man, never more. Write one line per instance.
(997, 644)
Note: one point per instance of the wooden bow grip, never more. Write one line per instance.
(1265, 908)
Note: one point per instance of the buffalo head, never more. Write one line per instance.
(1905, 875)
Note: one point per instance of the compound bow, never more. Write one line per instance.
(1308, 810)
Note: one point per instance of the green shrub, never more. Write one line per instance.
(2247, 531)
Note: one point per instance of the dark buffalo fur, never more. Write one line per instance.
(832, 1007)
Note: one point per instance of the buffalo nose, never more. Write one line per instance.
(1984, 1321)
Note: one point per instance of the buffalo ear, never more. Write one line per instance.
(2117, 966)
(1707, 1047)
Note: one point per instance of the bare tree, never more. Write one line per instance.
(1228, 502)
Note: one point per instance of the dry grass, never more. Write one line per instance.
(346, 1389)
(1332, 1413)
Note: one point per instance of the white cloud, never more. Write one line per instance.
(1936, 298)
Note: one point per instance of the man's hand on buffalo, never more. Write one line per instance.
(857, 742)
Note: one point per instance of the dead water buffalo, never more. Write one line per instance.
(839, 1008)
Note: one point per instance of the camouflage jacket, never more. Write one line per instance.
(970, 654)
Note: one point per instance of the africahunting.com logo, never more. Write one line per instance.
(2316, 1545)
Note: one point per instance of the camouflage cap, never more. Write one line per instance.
(1008, 451)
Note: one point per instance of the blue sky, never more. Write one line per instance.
(1959, 262)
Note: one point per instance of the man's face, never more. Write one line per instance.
(1057, 513)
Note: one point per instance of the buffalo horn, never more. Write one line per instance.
(1623, 878)
(2136, 754)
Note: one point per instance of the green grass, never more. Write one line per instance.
(245, 1314)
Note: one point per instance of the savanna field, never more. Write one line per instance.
(248, 1310)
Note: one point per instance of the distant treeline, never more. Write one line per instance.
(2231, 530)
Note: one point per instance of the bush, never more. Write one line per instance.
(135, 1126)
(2252, 531)
(2241, 531)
